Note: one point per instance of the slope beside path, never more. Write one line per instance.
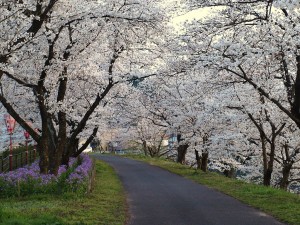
(158, 197)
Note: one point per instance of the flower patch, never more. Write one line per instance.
(27, 180)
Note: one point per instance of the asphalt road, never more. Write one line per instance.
(158, 197)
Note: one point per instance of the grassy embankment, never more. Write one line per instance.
(105, 205)
(282, 205)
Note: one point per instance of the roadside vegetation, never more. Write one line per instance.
(77, 178)
(282, 205)
(104, 205)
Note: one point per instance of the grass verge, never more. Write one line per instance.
(105, 205)
(282, 205)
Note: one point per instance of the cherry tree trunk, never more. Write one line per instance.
(51, 152)
(145, 148)
(69, 151)
(42, 147)
(204, 161)
(268, 162)
(285, 176)
(57, 159)
(264, 152)
(296, 104)
(198, 159)
(182, 150)
(269, 170)
(267, 177)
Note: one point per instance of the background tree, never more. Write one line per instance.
(266, 60)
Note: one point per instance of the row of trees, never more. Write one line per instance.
(254, 46)
(231, 91)
(226, 87)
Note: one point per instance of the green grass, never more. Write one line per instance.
(106, 205)
(282, 205)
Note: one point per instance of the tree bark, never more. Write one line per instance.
(62, 125)
(267, 172)
(198, 159)
(296, 104)
(61, 145)
(145, 148)
(182, 150)
(285, 176)
(267, 177)
(204, 161)
(42, 146)
(69, 151)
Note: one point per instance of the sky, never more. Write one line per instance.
(198, 14)
(195, 14)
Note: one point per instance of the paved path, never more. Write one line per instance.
(158, 197)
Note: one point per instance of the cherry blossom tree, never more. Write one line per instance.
(254, 43)
(64, 58)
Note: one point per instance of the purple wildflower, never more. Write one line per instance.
(81, 173)
(31, 172)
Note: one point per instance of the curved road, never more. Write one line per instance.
(158, 197)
